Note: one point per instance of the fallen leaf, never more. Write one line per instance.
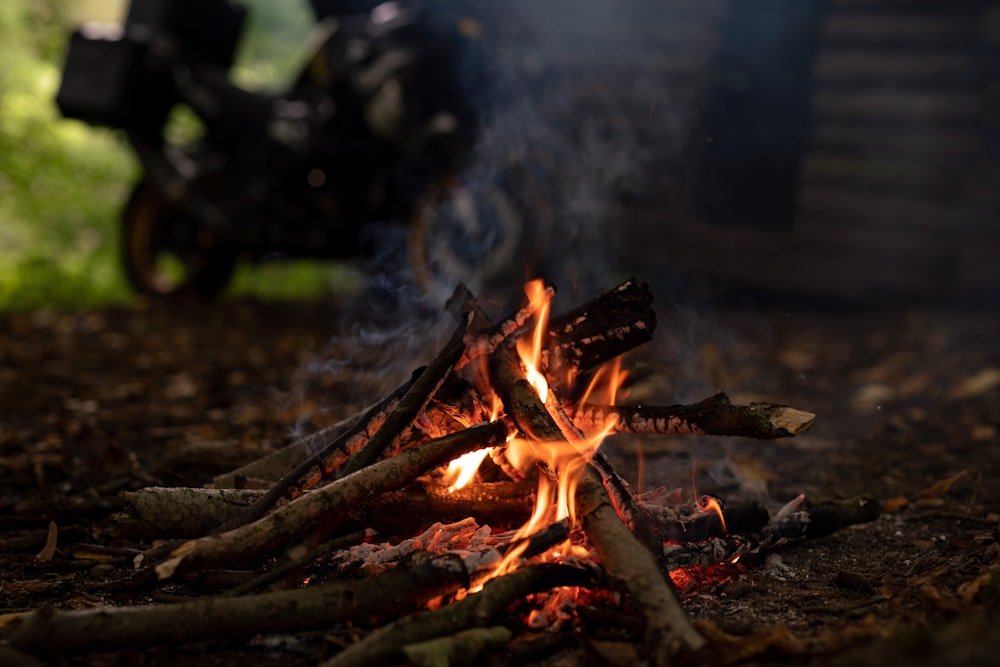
(895, 504)
(942, 486)
(979, 383)
(49, 550)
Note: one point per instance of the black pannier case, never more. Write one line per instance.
(102, 72)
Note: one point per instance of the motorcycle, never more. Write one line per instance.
(376, 128)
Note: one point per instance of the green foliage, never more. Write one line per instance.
(63, 183)
(59, 180)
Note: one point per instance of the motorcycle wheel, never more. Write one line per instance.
(166, 253)
(483, 236)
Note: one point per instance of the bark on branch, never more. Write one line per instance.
(367, 601)
(476, 610)
(715, 415)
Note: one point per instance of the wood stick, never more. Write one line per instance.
(324, 463)
(286, 568)
(415, 399)
(329, 503)
(715, 415)
(601, 329)
(507, 504)
(635, 517)
(279, 463)
(668, 630)
(738, 519)
(475, 610)
(181, 512)
(489, 337)
(811, 523)
(367, 601)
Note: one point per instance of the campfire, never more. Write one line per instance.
(469, 506)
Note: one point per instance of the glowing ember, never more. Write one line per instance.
(561, 463)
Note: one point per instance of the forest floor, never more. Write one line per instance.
(908, 411)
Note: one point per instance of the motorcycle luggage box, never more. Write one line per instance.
(102, 68)
(207, 31)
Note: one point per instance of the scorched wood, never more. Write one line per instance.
(475, 610)
(328, 504)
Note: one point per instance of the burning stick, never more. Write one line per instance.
(668, 630)
(490, 337)
(601, 329)
(715, 415)
(328, 503)
(388, 419)
(476, 610)
(810, 523)
(411, 585)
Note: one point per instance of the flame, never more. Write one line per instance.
(462, 470)
(531, 353)
(710, 504)
(561, 463)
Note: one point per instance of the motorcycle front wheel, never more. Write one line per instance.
(483, 235)
(168, 253)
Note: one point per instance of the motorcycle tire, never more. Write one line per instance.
(166, 253)
(485, 236)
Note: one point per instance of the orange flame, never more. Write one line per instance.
(462, 470)
(531, 353)
(561, 463)
(710, 504)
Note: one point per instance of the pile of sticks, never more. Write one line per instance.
(374, 473)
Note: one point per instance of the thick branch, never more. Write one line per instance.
(367, 601)
(329, 503)
(600, 330)
(715, 415)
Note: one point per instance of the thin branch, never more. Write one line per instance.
(413, 402)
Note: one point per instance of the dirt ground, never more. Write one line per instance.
(908, 410)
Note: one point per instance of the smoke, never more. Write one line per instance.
(581, 99)
(576, 91)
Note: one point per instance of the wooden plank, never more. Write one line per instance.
(898, 28)
(886, 175)
(877, 103)
(923, 219)
(947, 68)
(906, 141)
